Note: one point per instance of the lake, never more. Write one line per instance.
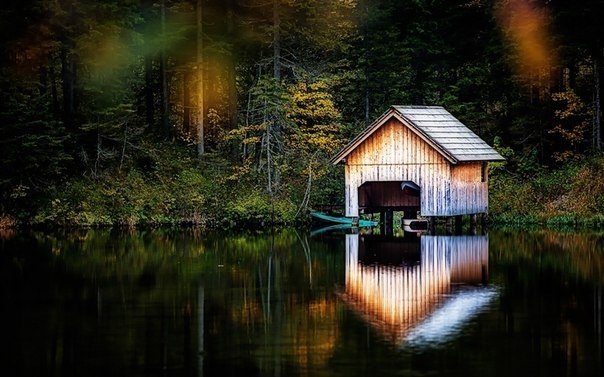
(292, 303)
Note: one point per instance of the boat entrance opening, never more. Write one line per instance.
(384, 198)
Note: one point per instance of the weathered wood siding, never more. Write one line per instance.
(395, 153)
(469, 194)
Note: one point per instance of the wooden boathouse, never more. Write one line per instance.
(416, 159)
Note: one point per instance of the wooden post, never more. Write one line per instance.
(430, 229)
(449, 225)
(473, 223)
(389, 223)
(386, 221)
(458, 224)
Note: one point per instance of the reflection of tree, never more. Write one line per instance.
(155, 299)
(553, 290)
(579, 254)
(278, 300)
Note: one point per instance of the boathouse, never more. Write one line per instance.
(416, 159)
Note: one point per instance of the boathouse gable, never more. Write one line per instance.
(394, 144)
(424, 145)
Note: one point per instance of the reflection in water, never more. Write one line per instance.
(448, 320)
(413, 292)
(180, 303)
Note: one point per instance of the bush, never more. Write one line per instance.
(257, 208)
(570, 196)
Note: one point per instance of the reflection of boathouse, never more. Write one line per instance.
(395, 296)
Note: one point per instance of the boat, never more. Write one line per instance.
(415, 225)
(342, 220)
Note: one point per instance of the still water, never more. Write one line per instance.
(291, 303)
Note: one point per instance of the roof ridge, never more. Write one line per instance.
(418, 106)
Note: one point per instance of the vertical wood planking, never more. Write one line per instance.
(395, 153)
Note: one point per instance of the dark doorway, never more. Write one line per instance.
(387, 197)
(377, 197)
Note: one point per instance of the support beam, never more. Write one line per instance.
(449, 225)
(386, 222)
(458, 224)
(473, 224)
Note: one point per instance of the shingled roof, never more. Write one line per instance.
(435, 125)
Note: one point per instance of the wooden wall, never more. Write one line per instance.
(469, 194)
(395, 153)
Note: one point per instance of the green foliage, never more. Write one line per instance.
(190, 196)
(32, 147)
(175, 191)
(76, 203)
(81, 99)
(570, 196)
(571, 125)
(258, 209)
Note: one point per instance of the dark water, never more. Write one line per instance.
(186, 303)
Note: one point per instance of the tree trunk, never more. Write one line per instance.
(68, 87)
(277, 66)
(276, 42)
(200, 83)
(149, 108)
(597, 118)
(54, 92)
(164, 97)
(231, 74)
(149, 87)
(274, 119)
(186, 101)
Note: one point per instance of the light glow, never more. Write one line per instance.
(526, 26)
(449, 320)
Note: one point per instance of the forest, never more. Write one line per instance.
(226, 112)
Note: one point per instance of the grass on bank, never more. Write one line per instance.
(165, 189)
(176, 189)
(572, 196)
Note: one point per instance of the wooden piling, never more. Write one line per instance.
(458, 224)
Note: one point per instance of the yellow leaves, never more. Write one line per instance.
(313, 132)
(247, 134)
(572, 123)
(324, 138)
(250, 140)
(573, 103)
(311, 104)
(238, 172)
(574, 136)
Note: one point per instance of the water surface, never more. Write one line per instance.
(285, 303)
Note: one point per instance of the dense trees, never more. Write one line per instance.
(260, 93)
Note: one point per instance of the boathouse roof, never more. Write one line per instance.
(436, 126)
